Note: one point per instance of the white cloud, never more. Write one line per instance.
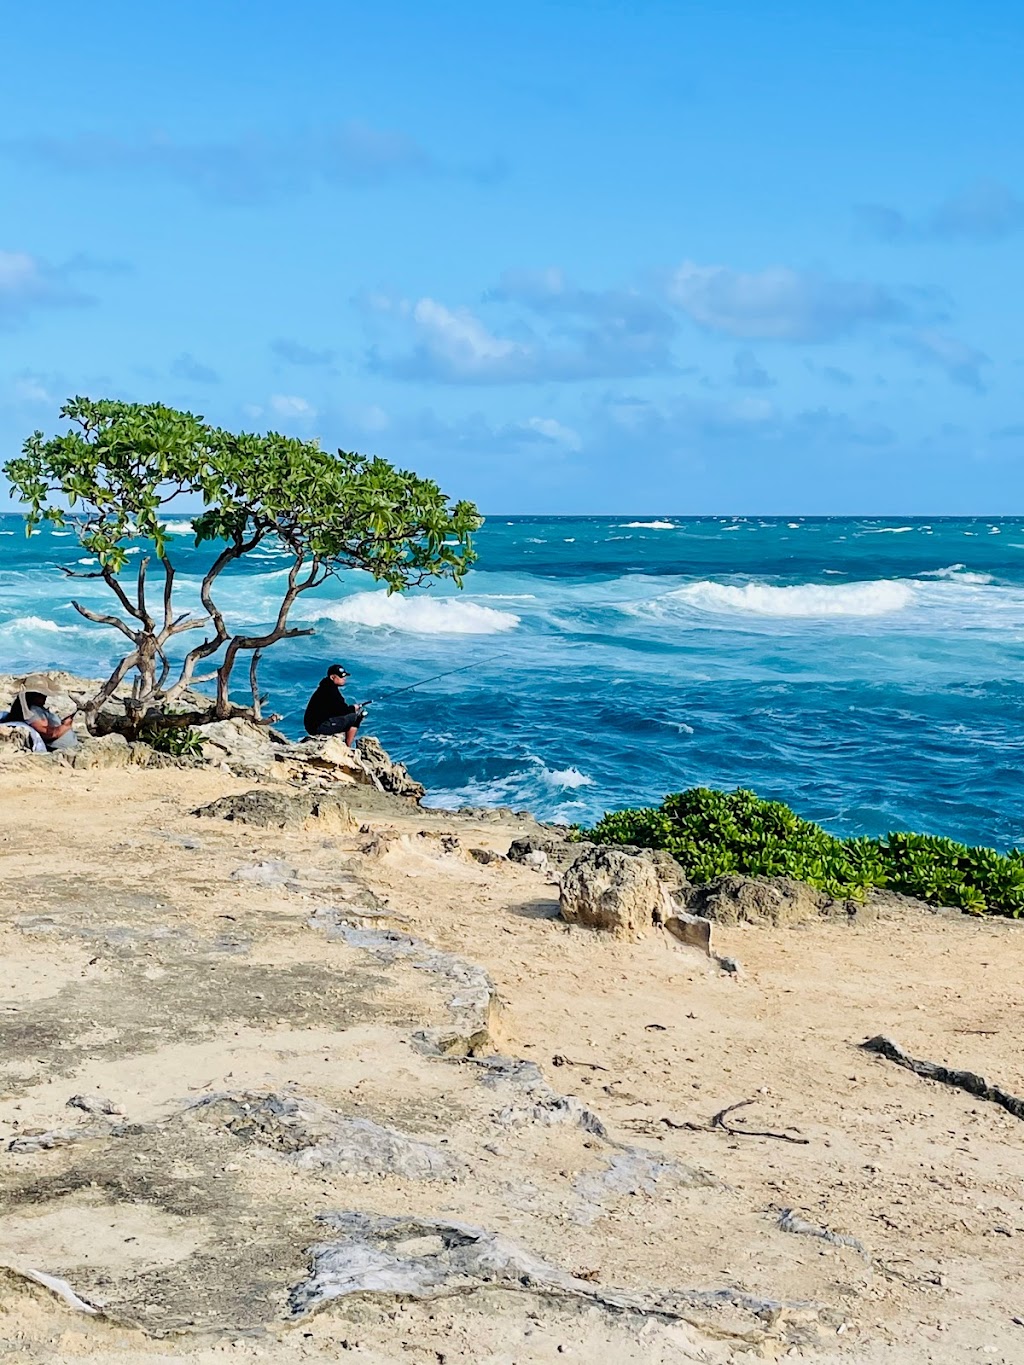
(553, 430)
(289, 405)
(28, 282)
(575, 334)
(776, 304)
(461, 341)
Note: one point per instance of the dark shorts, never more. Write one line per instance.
(337, 725)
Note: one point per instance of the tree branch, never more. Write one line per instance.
(102, 620)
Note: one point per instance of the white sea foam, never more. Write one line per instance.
(517, 788)
(36, 625)
(957, 573)
(888, 530)
(417, 615)
(565, 779)
(877, 598)
(649, 525)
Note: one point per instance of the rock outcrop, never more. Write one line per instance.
(384, 772)
(608, 888)
(281, 810)
(766, 900)
(15, 739)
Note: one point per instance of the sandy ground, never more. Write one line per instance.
(155, 959)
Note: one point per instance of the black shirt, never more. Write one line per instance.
(325, 702)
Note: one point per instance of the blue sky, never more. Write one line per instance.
(562, 256)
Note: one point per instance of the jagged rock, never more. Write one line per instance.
(105, 751)
(238, 743)
(559, 853)
(15, 739)
(486, 855)
(385, 773)
(606, 888)
(768, 900)
(280, 810)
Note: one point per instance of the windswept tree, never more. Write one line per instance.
(115, 477)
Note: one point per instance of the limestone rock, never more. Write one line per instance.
(691, 930)
(765, 900)
(606, 888)
(384, 772)
(559, 853)
(238, 743)
(281, 810)
(15, 739)
(105, 751)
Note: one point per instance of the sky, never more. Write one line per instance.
(571, 256)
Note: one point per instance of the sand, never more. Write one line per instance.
(152, 959)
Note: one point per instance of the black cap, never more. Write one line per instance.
(337, 668)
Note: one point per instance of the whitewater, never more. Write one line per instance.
(866, 671)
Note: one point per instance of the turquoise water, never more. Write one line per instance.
(866, 671)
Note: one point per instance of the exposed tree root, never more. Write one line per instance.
(935, 1071)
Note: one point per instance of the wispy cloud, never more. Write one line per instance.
(982, 212)
(561, 333)
(187, 367)
(28, 282)
(252, 168)
(290, 405)
(779, 303)
(687, 424)
(748, 373)
(296, 354)
(961, 362)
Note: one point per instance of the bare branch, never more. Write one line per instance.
(254, 664)
(144, 615)
(103, 620)
(108, 576)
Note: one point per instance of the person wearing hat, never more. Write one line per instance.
(29, 708)
(328, 713)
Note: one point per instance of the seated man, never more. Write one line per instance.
(328, 713)
(29, 709)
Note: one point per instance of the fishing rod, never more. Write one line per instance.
(447, 674)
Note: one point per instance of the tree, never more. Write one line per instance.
(120, 468)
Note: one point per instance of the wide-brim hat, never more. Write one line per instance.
(36, 682)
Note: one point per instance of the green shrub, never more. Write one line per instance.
(711, 833)
(174, 740)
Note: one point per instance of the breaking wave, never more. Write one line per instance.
(800, 600)
(418, 615)
(650, 525)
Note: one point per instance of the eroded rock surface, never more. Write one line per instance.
(766, 900)
(606, 888)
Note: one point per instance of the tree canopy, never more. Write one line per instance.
(115, 475)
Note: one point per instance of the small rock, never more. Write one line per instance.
(691, 930)
(94, 1104)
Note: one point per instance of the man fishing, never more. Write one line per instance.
(328, 713)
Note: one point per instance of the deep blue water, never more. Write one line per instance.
(866, 671)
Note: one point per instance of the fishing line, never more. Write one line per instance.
(447, 674)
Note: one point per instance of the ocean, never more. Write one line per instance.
(866, 671)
